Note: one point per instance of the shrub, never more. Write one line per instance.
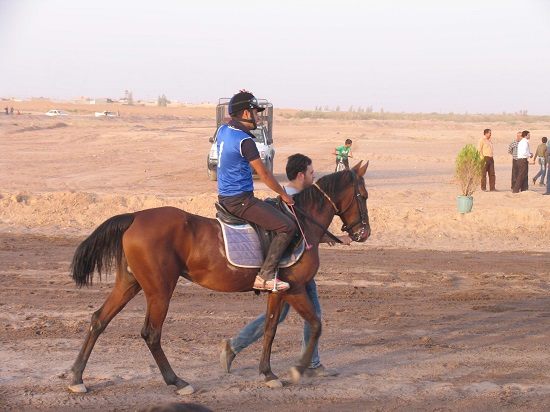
(469, 165)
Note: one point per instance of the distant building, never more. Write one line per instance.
(101, 101)
(80, 100)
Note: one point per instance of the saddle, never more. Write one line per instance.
(246, 243)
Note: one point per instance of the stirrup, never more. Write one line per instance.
(267, 285)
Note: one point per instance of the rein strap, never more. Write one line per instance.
(312, 220)
(327, 196)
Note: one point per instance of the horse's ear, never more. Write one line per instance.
(361, 170)
(357, 166)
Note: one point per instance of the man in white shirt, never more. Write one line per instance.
(524, 154)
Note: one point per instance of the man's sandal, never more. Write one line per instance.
(267, 285)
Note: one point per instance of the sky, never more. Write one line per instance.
(466, 56)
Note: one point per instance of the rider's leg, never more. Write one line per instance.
(254, 210)
(284, 227)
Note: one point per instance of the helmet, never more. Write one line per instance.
(243, 101)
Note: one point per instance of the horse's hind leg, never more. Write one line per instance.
(126, 287)
(157, 308)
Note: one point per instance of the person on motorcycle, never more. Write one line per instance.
(236, 153)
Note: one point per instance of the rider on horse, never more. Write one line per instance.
(236, 153)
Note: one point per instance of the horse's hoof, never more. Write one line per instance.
(80, 388)
(295, 374)
(275, 383)
(186, 390)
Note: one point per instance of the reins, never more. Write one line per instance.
(327, 196)
(299, 209)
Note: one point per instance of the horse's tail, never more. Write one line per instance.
(100, 249)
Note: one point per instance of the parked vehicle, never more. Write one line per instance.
(56, 113)
(263, 137)
(106, 113)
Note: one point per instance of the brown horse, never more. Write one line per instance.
(153, 248)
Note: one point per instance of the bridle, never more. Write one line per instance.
(363, 212)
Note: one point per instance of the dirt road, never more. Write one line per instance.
(408, 330)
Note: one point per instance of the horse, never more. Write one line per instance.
(151, 249)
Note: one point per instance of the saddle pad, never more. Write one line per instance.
(243, 248)
(242, 245)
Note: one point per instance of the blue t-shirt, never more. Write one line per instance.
(236, 150)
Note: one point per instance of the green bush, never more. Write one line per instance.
(468, 168)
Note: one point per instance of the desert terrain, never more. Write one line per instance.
(436, 311)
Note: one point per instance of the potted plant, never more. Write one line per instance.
(468, 168)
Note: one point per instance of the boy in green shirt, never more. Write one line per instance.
(343, 153)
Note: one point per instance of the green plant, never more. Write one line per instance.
(468, 168)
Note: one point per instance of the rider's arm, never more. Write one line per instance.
(267, 177)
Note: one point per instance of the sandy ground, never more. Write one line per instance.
(436, 311)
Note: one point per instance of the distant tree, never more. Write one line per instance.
(351, 109)
(163, 101)
(370, 109)
(337, 109)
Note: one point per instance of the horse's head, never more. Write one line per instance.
(347, 194)
(352, 203)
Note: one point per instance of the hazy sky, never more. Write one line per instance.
(475, 56)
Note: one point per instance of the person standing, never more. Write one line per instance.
(513, 150)
(300, 173)
(524, 154)
(237, 152)
(485, 149)
(541, 157)
(547, 171)
(343, 153)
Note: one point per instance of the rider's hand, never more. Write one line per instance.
(287, 199)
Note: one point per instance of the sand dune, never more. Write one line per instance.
(68, 176)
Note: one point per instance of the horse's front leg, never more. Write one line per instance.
(301, 303)
(274, 305)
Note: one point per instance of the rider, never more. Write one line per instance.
(343, 152)
(236, 153)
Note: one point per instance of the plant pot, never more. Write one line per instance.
(465, 204)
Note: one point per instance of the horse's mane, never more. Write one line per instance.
(331, 184)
